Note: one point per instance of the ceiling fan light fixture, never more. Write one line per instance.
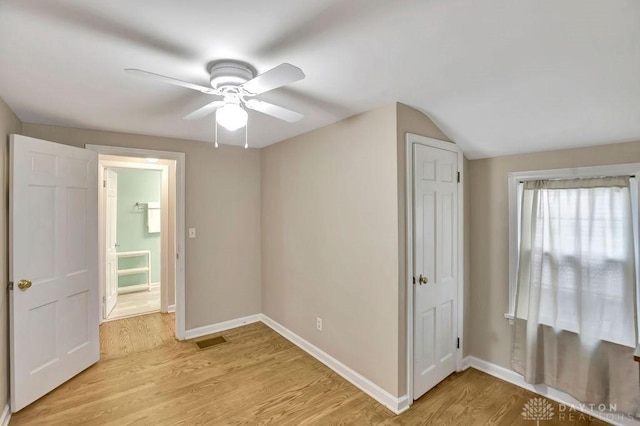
(226, 74)
(231, 116)
(226, 80)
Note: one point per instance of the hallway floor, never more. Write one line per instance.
(137, 303)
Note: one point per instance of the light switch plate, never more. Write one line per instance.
(192, 232)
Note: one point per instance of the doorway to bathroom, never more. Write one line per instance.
(172, 218)
(135, 225)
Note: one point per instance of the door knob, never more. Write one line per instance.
(24, 284)
(422, 280)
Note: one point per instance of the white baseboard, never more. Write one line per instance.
(544, 390)
(171, 308)
(395, 404)
(6, 415)
(221, 326)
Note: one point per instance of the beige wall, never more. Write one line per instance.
(490, 336)
(330, 241)
(223, 277)
(409, 120)
(333, 240)
(9, 123)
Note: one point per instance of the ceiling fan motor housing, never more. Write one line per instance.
(230, 74)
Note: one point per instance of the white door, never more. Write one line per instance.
(54, 252)
(110, 221)
(435, 183)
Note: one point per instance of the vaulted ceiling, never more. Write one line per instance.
(498, 76)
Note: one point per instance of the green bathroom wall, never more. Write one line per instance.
(134, 186)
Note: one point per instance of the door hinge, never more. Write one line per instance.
(414, 280)
(10, 286)
(458, 343)
(104, 182)
(458, 177)
(104, 299)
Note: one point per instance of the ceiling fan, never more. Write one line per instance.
(237, 83)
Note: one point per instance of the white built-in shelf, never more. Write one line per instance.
(132, 271)
(135, 253)
(139, 270)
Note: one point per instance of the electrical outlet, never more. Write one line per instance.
(319, 323)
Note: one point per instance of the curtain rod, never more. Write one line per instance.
(572, 178)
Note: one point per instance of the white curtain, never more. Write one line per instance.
(575, 322)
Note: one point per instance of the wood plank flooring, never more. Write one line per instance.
(146, 377)
(136, 334)
(136, 303)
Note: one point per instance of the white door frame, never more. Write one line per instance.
(448, 146)
(166, 254)
(179, 158)
(105, 210)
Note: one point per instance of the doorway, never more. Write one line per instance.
(434, 214)
(170, 165)
(133, 221)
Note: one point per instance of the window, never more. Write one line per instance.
(585, 231)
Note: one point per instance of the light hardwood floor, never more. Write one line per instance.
(146, 377)
(136, 303)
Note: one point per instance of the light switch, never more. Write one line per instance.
(192, 232)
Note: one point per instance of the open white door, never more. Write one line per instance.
(54, 251)
(110, 222)
(435, 266)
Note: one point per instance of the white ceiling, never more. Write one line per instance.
(498, 76)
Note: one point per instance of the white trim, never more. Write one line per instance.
(409, 189)
(171, 308)
(568, 173)
(448, 146)
(179, 158)
(544, 390)
(6, 415)
(395, 404)
(221, 326)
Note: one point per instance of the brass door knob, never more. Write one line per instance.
(422, 280)
(24, 284)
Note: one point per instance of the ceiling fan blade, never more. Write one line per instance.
(274, 78)
(170, 80)
(274, 110)
(204, 111)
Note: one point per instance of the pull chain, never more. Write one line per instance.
(215, 118)
(246, 135)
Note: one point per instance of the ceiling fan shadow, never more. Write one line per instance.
(338, 14)
(90, 21)
(176, 103)
(332, 108)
